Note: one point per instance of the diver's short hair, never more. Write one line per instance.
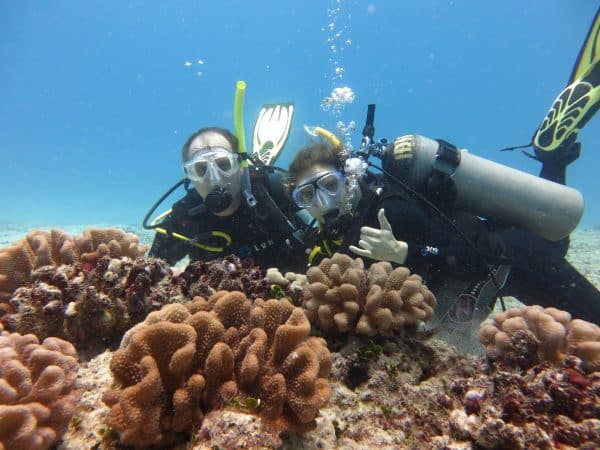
(318, 153)
(228, 135)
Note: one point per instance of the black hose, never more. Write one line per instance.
(158, 202)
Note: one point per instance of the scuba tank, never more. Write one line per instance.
(491, 190)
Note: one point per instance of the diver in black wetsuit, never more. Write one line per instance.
(213, 220)
(367, 218)
(461, 218)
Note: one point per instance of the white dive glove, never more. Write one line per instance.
(381, 244)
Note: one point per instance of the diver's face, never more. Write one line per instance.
(320, 190)
(211, 163)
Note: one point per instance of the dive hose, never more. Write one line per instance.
(156, 204)
(155, 225)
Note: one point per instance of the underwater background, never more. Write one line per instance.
(103, 347)
(97, 97)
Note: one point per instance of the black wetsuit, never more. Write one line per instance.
(262, 233)
(539, 273)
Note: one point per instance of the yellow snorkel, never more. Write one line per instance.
(325, 134)
(238, 117)
(238, 123)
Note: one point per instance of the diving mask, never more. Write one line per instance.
(324, 191)
(212, 164)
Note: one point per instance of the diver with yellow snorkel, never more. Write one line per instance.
(230, 205)
(474, 229)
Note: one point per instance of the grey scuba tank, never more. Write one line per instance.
(492, 190)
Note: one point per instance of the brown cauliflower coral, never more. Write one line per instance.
(37, 395)
(526, 336)
(342, 296)
(184, 361)
(53, 248)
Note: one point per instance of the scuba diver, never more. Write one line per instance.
(233, 207)
(474, 229)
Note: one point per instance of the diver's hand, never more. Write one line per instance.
(381, 244)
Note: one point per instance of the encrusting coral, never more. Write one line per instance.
(342, 296)
(37, 395)
(185, 361)
(527, 336)
(53, 248)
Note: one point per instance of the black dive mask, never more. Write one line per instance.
(217, 200)
(336, 224)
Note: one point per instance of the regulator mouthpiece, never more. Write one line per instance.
(218, 200)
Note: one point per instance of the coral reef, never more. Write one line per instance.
(524, 337)
(37, 394)
(342, 296)
(230, 369)
(405, 393)
(53, 248)
(185, 361)
(90, 306)
(93, 305)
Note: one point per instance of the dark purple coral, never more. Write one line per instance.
(231, 274)
(90, 305)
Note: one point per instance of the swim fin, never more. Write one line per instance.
(577, 103)
(573, 107)
(271, 131)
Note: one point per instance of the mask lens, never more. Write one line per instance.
(330, 182)
(304, 195)
(223, 163)
(199, 168)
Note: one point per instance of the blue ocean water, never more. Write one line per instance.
(97, 97)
